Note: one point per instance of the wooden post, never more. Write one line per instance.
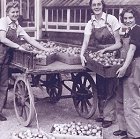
(38, 19)
(3, 8)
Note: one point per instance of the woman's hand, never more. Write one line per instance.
(18, 47)
(121, 71)
(102, 51)
(83, 60)
(21, 48)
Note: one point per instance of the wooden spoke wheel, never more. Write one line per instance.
(54, 87)
(23, 101)
(84, 95)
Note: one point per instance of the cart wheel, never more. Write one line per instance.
(54, 87)
(84, 95)
(23, 101)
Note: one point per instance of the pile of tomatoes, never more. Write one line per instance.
(107, 59)
(28, 134)
(78, 128)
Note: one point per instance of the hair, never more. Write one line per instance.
(11, 5)
(129, 10)
(103, 3)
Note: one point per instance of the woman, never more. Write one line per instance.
(131, 84)
(105, 30)
(10, 34)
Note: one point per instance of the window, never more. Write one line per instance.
(71, 15)
(79, 15)
(65, 15)
(113, 11)
(54, 15)
(83, 16)
(110, 11)
(25, 10)
(116, 13)
(57, 15)
(43, 13)
(67, 20)
(88, 16)
(50, 19)
(60, 16)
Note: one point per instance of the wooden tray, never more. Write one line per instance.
(64, 136)
(68, 59)
(105, 71)
(67, 136)
(44, 61)
(23, 59)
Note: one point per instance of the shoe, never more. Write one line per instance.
(99, 119)
(2, 118)
(106, 124)
(120, 133)
(126, 137)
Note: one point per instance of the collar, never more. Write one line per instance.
(9, 21)
(132, 27)
(103, 17)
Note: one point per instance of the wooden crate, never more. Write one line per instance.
(43, 61)
(29, 60)
(64, 136)
(105, 71)
(23, 59)
(68, 136)
(68, 59)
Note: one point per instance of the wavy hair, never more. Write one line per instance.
(103, 3)
(129, 10)
(12, 5)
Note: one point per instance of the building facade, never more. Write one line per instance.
(61, 20)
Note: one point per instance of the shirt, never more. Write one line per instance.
(135, 39)
(111, 20)
(5, 22)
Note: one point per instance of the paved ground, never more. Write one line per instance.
(48, 114)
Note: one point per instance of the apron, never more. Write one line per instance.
(104, 37)
(5, 51)
(5, 58)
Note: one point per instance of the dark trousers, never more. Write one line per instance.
(3, 84)
(106, 92)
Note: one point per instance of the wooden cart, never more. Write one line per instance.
(83, 90)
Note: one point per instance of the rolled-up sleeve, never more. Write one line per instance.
(88, 28)
(115, 23)
(3, 25)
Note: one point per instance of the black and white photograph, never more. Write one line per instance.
(69, 69)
